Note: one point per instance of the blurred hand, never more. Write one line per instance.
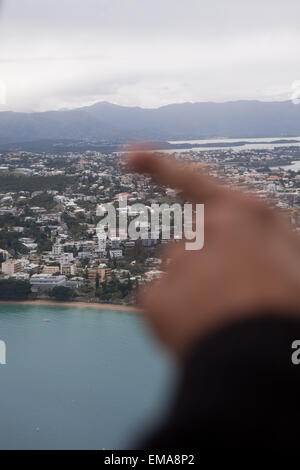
(250, 261)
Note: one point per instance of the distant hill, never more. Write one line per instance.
(108, 122)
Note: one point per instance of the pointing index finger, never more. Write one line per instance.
(196, 186)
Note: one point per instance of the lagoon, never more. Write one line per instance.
(259, 143)
(85, 379)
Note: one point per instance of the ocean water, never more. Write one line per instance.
(252, 143)
(295, 166)
(87, 379)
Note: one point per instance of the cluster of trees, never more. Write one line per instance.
(61, 163)
(42, 238)
(114, 289)
(43, 200)
(62, 293)
(137, 268)
(76, 225)
(139, 253)
(8, 220)
(14, 289)
(13, 182)
(10, 241)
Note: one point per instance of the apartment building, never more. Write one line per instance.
(50, 269)
(103, 272)
(11, 266)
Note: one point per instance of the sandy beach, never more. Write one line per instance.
(53, 303)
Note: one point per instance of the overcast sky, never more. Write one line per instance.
(67, 53)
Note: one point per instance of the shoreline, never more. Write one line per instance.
(53, 303)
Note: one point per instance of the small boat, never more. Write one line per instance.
(47, 320)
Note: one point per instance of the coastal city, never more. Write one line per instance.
(51, 203)
(149, 228)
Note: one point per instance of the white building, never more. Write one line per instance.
(100, 210)
(66, 258)
(101, 245)
(46, 281)
(115, 242)
(21, 276)
(154, 274)
(29, 243)
(115, 253)
(57, 249)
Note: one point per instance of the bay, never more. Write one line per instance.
(85, 379)
(259, 143)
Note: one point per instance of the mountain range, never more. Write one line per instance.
(112, 123)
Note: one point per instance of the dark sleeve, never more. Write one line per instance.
(239, 389)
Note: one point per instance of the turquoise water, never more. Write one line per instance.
(88, 379)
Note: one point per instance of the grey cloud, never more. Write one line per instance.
(136, 52)
(195, 18)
